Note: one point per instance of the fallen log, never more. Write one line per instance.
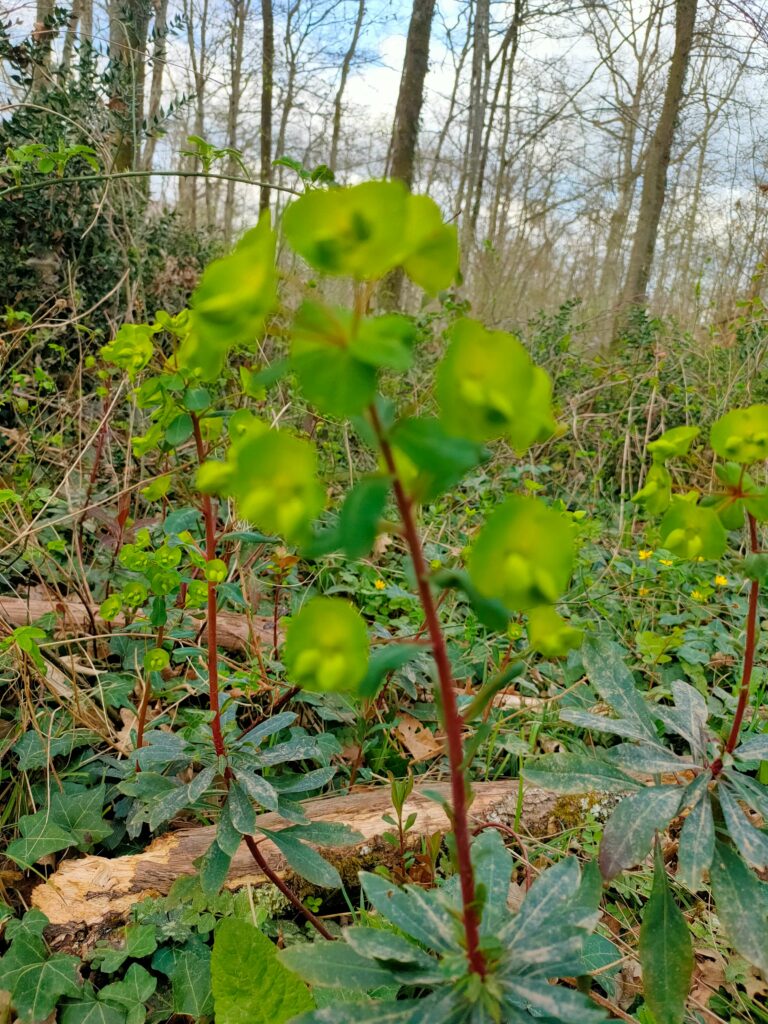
(235, 632)
(88, 898)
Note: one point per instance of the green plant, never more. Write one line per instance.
(712, 778)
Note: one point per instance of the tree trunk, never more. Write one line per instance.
(478, 97)
(657, 161)
(128, 27)
(267, 83)
(236, 43)
(405, 130)
(43, 35)
(156, 88)
(337, 100)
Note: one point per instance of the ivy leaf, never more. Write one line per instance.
(666, 951)
(742, 905)
(40, 835)
(250, 984)
(35, 980)
(628, 835)
(191, 983)
(81, 812)
(89, 1009)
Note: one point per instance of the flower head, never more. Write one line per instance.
(380, 585)
(665, 561)
(721, 581)
(644, 553)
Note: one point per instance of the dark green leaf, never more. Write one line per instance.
(666, 951)
(384, 660)
(752, 843)
(335, 965)
(441, 459)
(742, 905)
(305, 861)
(577, 773)
(629, 832)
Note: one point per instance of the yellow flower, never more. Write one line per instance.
(644, 554)
(665, 561)
(380, 585)
(721, 581)
(697, 595)
(643, 591)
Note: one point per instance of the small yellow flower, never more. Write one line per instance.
(436, 563)
(697, 595)
(721, 581)
(380, 585)
(643, 591)
(644, 554)
(666, 561)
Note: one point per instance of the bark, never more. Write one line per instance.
(89, 897)
(267, 85)
(292, 61)
(69, 42)
(158, 71)
(199, 64)
(657, 160)
(478, 97)
(405, 131)
(240, 11)
(346, 64)
(128, 28)
(43, 36)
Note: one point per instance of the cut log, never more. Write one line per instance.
(235, 632)
(87, 898)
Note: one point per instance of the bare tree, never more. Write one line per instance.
(410, 99)
(267, 84)
(128, 29)
(657, 160)
(346, 64)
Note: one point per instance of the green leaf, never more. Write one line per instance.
(360, 515)
(191, 984)
(578, 773)
(257, 788)
(604, 664)
(673, 443)
(386, 946)
(35, 980)
(488, 387)
(326, 646)
(385, 341)
(250, 984)
(554, 1001)
(240, 808)
(656, 493)
(433, 251)
(550, 634)
(440, 459)
(628, 835)
(81, 812)
(523, 556)
(335, 965)
(179, 430)
(697, 843)
(666, 951)
(91, 1010)
(755, 748)
(417, 913)
(751, 842)
(492, 863)
(305, 861)
(136, 987)
(331, 375)
(384, 660)
(742, 905)
(40, 837)
(491, 612)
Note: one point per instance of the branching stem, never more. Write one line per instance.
(452, 718)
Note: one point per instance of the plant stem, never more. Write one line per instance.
(749, 657)
(276, 880)
(452, 718)
(212, 619)
(145, 698)
(213, 691)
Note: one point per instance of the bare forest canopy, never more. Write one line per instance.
(596, 150)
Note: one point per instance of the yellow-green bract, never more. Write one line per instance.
(488, 387)
(742, 435)
(656, 493)
(367, 230)
(550, 634)
(326, 646)
(131, 348)
(692, 531)
(523, 556)
(272, 476)
(231, 302)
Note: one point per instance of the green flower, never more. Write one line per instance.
(111, 607)
(216, 570)
(656, 493)
(156, 660)
(326, 646)
(742, 435)
(523, 556)
(692, 531)
(550, 634)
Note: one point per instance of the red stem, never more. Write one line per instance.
(749, 657)
(210, 554)
(452, 718)
(213, 691)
